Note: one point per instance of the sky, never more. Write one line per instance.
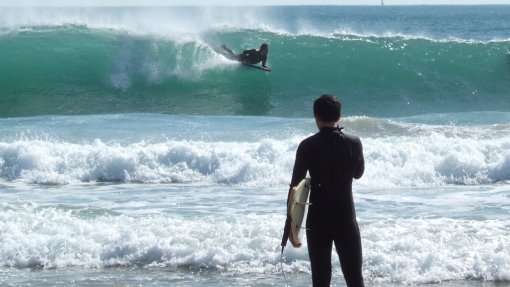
(239, 2)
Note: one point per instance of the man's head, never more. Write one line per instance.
(264, 49)
(327, 109)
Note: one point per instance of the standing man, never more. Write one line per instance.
(333, 159)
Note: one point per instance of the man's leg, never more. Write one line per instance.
(348, 247)
(227, 49)
(319, 250)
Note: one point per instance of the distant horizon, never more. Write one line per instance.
(117, 3)
(243, 5)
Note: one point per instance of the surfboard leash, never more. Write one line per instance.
(281, 266)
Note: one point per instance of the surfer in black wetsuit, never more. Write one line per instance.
(333, 159)
(251, 56)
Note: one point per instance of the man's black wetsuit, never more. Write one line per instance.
(252, 57)
(333, 160)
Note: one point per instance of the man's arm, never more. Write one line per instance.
(359, 160)
(300, 166)
(299, 172)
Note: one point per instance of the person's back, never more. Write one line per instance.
(252, 56)
(333, 163)
(333, 159)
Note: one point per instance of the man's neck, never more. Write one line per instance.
(321, 124)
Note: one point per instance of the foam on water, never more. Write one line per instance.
(435, 250)
(311, 20)
(173, 161)
(398, 154)
(398, 250)
(182, 24)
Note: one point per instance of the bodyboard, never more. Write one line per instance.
(297, 208)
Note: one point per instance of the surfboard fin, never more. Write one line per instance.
(303, 203)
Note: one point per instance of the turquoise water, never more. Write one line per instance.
(106, 60)
(132, 154)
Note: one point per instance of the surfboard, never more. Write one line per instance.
(257, 67)
(296, 209)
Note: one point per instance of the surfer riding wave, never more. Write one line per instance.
(250, 57)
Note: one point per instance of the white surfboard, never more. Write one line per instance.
(297, 208)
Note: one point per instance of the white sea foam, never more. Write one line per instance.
(435, 250)
(47, 162)
(51, 237)
(176, 23)
(195, 23)
(402, 250)
(397, 154)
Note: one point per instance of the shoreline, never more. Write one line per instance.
(155, 276)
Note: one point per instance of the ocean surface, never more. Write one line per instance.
(133, 154)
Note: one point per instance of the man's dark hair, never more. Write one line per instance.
(264, 46)
(327, 108)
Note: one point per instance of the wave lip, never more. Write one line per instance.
(321, 20)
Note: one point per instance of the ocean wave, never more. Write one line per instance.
(404, 250)
(397, 154)
(168, 162)
(79, 70)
